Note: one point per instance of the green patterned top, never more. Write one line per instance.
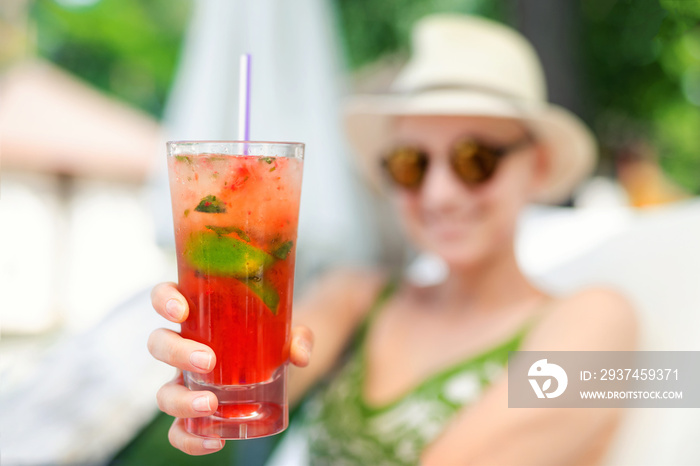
(344, 430)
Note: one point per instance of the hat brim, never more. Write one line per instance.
(571, 148)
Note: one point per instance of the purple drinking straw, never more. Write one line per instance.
(244, 98)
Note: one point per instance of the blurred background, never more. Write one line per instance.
(91, 89)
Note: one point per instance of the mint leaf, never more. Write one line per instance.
(228, 230)
(213, 254)
(183, 158)
(268, 160)
(220, 230)
(211, 205)
(283, 251)
(242, 234)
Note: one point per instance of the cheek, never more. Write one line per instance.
(514, 182)
(408, 207)
(506, 195)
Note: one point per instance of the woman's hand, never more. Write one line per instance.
(173, 397)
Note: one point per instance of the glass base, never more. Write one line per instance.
(245, 411)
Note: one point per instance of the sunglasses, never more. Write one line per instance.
(472, 161)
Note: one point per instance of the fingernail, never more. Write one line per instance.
(200, 359)
(211, 444)
(174, 309)
(201, 404)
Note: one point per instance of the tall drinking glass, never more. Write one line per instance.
(236, 209)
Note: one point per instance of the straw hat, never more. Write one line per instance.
(464, 65)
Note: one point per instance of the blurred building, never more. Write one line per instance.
(73, 162)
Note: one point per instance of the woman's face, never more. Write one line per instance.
(466, 224)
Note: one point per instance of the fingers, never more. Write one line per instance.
(188, 355)
(188, 443)
(178, 401)
(302, 343)
(169, 302)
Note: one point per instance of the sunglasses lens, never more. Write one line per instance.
(473, 163)
(406, 166)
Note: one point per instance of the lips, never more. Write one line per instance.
(450, 230)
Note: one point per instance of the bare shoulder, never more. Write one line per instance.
(595, 318)
(598, 305)
(352, 289)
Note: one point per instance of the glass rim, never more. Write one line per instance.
(215, 141)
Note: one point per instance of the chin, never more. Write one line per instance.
(460, 256)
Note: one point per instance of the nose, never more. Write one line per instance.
(441, 190)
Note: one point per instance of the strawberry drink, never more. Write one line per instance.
(236, 209)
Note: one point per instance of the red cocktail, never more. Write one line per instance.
(235, 222)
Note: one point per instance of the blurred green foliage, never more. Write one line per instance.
(128, 48)
(373, 28)
(642, 64)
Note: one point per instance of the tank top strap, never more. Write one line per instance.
(543, 309)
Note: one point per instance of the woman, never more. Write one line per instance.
(466, 141)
